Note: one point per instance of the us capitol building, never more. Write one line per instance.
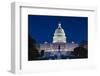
(59, 42)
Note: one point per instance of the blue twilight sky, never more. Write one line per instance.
(42, 28)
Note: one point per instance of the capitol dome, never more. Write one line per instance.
(59, 35)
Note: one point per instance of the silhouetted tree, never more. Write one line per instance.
(42, 52)
(33, 53)
(81, 51)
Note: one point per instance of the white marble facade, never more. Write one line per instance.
(59, 42)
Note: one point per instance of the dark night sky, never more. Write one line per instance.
(42, 28)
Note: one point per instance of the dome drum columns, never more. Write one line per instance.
(59, 35)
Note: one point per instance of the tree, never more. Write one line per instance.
(80, 52)
(33, 52)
